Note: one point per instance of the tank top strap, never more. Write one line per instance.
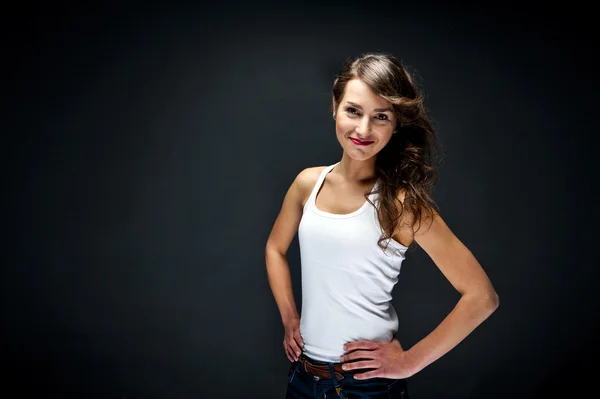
(318, 184)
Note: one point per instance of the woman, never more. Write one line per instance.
(355, 220)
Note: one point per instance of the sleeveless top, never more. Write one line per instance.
(347, 279)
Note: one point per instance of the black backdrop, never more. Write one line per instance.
(147, 151)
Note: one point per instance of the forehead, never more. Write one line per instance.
(360, 93)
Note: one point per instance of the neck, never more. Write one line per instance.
(353, 171)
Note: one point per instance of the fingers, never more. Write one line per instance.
(293, 347)
(368, 374)
(365, 364)
(289, 354)
(296, 343)
(299, 339)
(361, 345)
(359, 354)
(293, 343)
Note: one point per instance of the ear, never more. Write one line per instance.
(333, 105)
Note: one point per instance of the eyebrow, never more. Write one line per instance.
(376, 110)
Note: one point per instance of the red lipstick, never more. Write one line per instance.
(360, 142)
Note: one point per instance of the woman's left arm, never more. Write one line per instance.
(478, 298)
(477, 302)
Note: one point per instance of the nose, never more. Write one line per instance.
(363, 126)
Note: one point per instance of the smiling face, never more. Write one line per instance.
(364, 121)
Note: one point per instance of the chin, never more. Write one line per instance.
(360, 156)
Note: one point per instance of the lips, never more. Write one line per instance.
(361, 142)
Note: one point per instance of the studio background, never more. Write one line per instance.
(148, 151)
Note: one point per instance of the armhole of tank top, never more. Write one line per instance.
(316, 187)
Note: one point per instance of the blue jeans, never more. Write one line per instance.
(303, 385)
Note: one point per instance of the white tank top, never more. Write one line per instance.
(347, 279)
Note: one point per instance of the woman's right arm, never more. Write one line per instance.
(278, 270)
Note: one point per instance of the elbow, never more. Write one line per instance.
(269, 247)
(489, 301)
(483, 302)
(272, 251)
(493, 301)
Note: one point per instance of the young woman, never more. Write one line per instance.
(355, 220)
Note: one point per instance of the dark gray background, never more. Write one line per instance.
(147, 152)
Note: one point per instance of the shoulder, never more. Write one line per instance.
(308, 177)
(305, 181)
(408, 220)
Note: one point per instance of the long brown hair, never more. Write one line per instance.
(406, 162)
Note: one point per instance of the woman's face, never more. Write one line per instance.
(364, 122)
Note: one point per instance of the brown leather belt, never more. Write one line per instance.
(320, 370)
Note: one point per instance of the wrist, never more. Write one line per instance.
(289, 318)
(412, 361)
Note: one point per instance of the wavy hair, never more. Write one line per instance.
(407, 161)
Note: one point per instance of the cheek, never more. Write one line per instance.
(384, 138)
(344, 126)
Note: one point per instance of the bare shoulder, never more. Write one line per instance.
(407, 227)
(408, 218)
(306, 180)
(287, 221)
(429, 231)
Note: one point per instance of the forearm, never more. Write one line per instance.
(469, 312)
(280, 281)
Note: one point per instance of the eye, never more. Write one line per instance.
(382, 117)
(351, 110)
